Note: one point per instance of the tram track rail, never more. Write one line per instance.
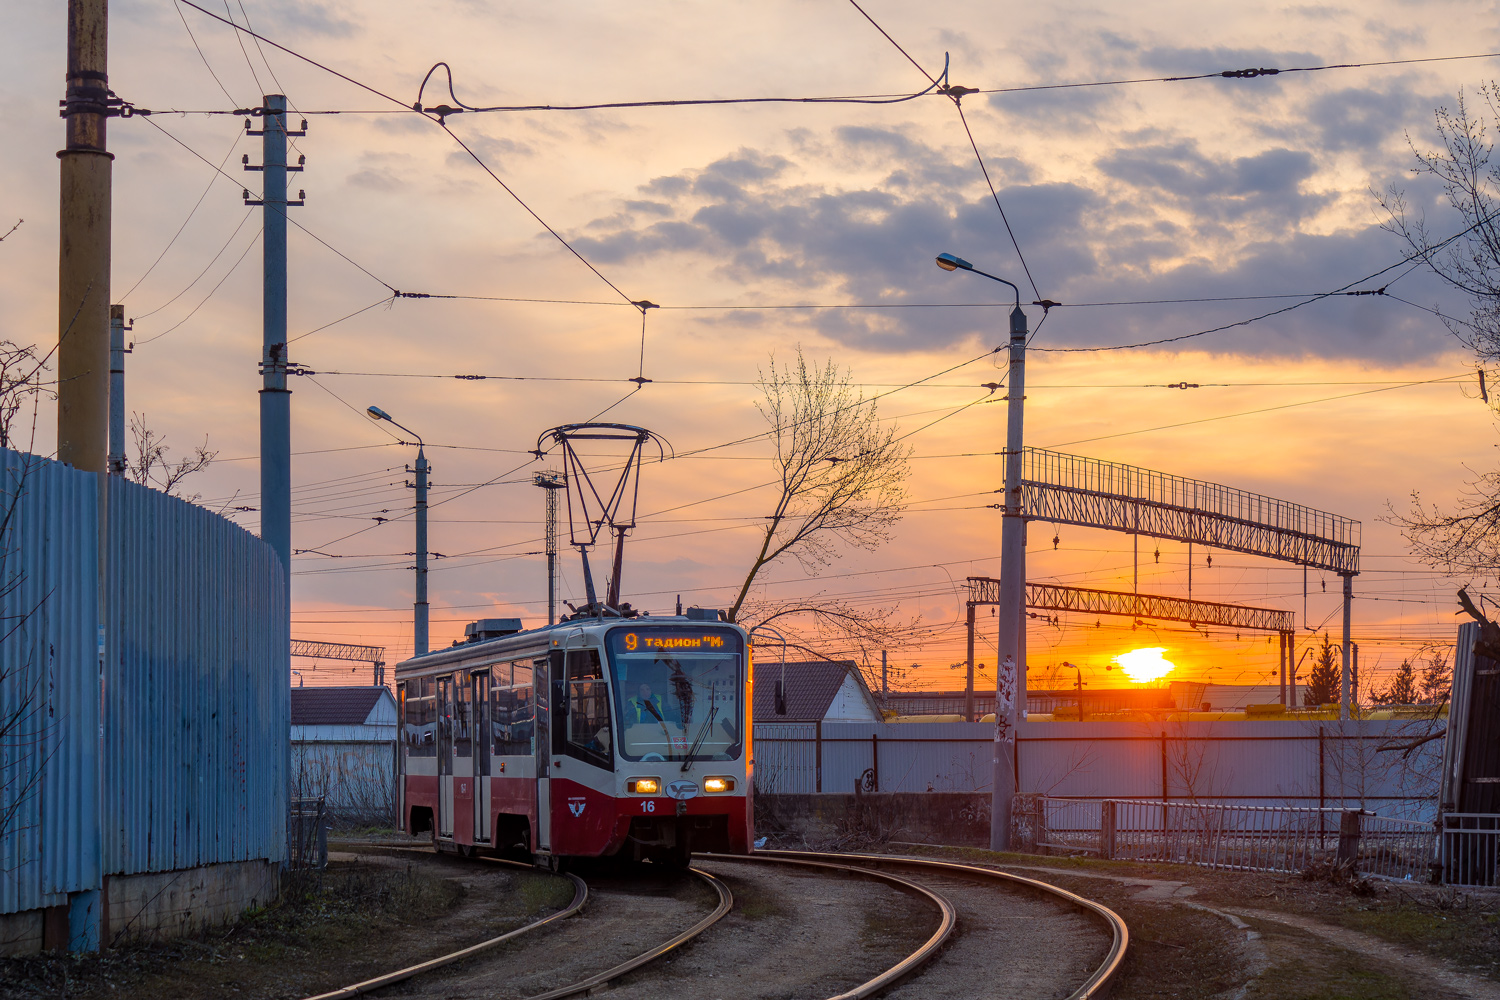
(865, 866)
(724, 904)
(580, 898)
(1098, 983)
(909, 965)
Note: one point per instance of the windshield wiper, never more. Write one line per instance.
(702, 735)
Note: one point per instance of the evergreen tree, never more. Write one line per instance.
(1402, 689)
(1323, 683)
(1437, 680)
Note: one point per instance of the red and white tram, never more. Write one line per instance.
(593, 737)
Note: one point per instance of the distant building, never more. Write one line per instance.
(344, 750)
(814, 691)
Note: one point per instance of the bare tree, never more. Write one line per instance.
(1467, 538)
(22, 372)
(152, 467)
(841, 476)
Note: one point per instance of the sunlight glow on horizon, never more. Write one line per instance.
(1145, 665)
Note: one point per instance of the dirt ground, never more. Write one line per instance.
(1194, 934)
(318, 937)
(1201, 934)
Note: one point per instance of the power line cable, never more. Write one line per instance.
(438, 120)
(445, 111)
(1267, 409)
(212, 260)
(178, 8)
(380, 301)
(1237, 74)
(1420, 256)
(212, 177)
(250, 246)
(260, 88)
(394, 291)
(957, 95)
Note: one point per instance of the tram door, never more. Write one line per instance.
(542, 748)
(483, 738)
(445, 709)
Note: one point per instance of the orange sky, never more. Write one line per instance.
(1161, 191)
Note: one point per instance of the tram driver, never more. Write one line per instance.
(646, 706)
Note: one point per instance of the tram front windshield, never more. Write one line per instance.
(677, 693)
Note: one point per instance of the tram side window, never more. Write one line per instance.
(419, 721)
(463, 718)
(499, 695)
(510, 708)
(588, 709)
(524, 710)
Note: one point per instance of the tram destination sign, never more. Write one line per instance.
(654, 641)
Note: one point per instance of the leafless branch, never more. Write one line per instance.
(152, 467)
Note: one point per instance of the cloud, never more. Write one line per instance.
(1363, 119)
(1223, 189)
(1168, 221)
(306, 17)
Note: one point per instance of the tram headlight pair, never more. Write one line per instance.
(712, 785)
(644, 786)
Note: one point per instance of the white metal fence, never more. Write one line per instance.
(1315, 764)
(1238, 837)
(1471, 849)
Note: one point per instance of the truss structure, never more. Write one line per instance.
(338, 651)
(1070, 489)
(373, 655)
(1054, 597)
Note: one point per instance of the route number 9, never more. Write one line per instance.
(631, 642)
(648, 805)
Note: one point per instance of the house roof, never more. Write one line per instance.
(810, 688)
(334, 706)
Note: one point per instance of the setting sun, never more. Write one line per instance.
(1143, 665)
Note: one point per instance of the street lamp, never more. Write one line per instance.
(419, 606)
(1010, 676)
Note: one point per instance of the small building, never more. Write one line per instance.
(344, 751)
(814, 691)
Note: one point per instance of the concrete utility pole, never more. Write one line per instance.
(421, 609)
(84, 243)
(117, 354)
(1344, 705)
(1010, 652)
(1012, 591)
(275, 397)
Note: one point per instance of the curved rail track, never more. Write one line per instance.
(1098, 982)
(857, 865)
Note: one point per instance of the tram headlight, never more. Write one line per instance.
(644, 786)
(718, 784)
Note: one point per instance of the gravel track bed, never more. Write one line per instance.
(626, 914)
(1010, 943)
(792, 935)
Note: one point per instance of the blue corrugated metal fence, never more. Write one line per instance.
(179, 737)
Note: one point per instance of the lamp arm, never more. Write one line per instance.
(409, 431)
(1002, 281)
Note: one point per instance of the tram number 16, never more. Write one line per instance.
(648, 805)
